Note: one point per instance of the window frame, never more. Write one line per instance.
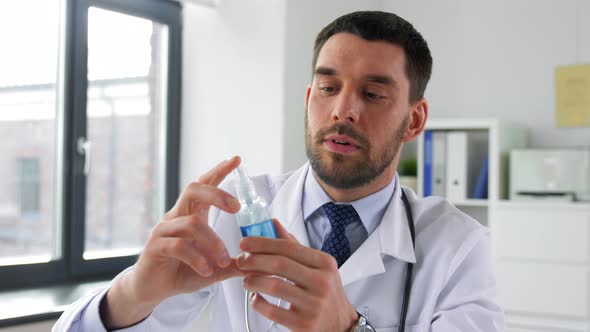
(71, 181)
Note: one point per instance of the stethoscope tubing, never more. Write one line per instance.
(409, 267)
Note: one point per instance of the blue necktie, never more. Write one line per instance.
(336, 244)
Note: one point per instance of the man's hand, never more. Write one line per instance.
(182, 254)
(318, 301)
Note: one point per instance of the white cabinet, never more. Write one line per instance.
(543, 263)
(543, 231)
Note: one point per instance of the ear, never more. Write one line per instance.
(418, 116)
(307, 94)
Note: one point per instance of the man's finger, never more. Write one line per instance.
(202, 196)
(272, 312)
(203, 237)
(185, 206)
(281, 231)
(288, 248)
(227, 272)
(277, 288)
(218, 173)
(281, 266)
(182, 250)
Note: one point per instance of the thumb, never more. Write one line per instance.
(281, 231)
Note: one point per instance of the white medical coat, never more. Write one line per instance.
(453, 288)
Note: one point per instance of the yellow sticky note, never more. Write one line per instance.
(572, 96)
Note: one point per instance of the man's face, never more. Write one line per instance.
(357, 110)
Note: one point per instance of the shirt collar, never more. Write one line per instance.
(370, 208)
(391, 238)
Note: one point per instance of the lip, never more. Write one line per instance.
(342, 138)
(339, 148)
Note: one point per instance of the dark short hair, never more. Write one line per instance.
(377, 25)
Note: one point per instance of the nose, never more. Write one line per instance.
(347, 107)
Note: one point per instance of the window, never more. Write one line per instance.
(28, 185)
(89, 109)
(28, 126)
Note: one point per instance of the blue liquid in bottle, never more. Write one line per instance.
(265, 228)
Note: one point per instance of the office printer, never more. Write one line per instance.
(550, 174)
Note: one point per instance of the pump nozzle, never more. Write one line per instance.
(244, 187)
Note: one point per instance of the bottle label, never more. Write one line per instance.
(263, 228)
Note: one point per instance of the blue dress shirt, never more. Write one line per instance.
(370, 208)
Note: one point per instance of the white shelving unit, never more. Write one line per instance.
(501, 138)
(541, 248)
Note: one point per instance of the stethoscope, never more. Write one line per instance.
(407, 285)
(409, 267)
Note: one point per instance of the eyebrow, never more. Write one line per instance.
(325, 71)
(377, 78)
(383, 79)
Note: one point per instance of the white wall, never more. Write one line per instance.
(233, 70)
(583, 31)
(496, 59)
(247, 63)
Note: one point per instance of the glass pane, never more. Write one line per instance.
(28, 109)
(127, 62)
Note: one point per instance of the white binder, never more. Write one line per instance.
(456, 171)
(439, 156)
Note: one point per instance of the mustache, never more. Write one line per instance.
(343, 129)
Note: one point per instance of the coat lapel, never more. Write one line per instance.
(392, 237)
(286, 206)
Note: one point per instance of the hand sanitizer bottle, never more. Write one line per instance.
(254, 218)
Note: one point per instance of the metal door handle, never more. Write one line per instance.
(85, 149)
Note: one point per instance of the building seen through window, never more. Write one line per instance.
(125, 114)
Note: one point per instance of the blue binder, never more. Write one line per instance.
(427, 163)
(481, 187)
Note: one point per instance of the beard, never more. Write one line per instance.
(347, 172)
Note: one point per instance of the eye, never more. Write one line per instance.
(327, 88)
(374, 96)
